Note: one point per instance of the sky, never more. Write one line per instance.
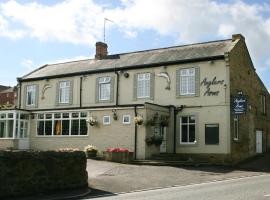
(38, 32)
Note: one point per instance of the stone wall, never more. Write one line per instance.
(32, 173)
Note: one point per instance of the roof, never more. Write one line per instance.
(160, 56)
(2, 87)
(10, 89)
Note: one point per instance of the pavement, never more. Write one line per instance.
(110, 179)
(247, 188)
(107, 178)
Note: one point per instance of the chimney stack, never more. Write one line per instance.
(237, 37)
(101, 50)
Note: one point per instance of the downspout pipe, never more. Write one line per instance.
(175, 112)
(20, 94)
(81, 79)
(135, 135)
(117, 88)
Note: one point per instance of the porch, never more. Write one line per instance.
(14, 129)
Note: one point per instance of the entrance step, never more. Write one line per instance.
(171, 157)
(174, 163)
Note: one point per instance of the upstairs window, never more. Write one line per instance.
(64, 92)
(263, 104)
(143, 85)
(31, 95)
(187, 81)
(104, 88)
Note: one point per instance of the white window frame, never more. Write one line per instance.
(236, 128)
(61, 118)
(188, 123)
(106, 82)
(106, 122)
(144, 84)
(64, 92)
(263, 104)
(129, 119)
(187, 81)
(32, 89)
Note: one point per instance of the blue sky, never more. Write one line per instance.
(33, 33)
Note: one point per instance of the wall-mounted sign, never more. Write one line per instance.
(239, 104)
(208, 83)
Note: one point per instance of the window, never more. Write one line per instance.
(31, 95)
(64, 92)
(187, 130)
(126, 119)
(187, 81)
(263, 104)
(104, 88)
(14, 125)
(61, 124)
(212, 134)
(236, 128)
(143, 85)
(106, 120)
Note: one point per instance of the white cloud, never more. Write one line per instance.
(81, 21)
(5, 30)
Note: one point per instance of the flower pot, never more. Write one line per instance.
(120, 157)
(91, 154)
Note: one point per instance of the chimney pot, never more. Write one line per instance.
(101, 50)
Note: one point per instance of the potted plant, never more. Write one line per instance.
(138, 120)
(90, 151)
(92, 121)
(154, 140)
(164, 120)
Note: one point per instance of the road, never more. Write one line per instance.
(248, 188)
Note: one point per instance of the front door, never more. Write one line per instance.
(163, 145)
(23, 135)
(258, 141)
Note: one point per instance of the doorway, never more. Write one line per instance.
(259, 141)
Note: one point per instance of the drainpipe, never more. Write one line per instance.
(174, 129)
(81, 79)
(175, 112)
(135, 135)
(117, 87)
(20, 95)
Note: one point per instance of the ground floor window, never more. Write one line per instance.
(211, 133)
(236, 128)
(62, 124)
(187, 130)
(14, 124)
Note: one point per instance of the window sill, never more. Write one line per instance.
(60, 136)
(187, 96)
(188, 144)
(8, 138)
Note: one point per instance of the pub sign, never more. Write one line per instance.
(239, 104)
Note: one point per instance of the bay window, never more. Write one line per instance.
(62, 124)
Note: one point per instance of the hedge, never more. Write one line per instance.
(24, 173)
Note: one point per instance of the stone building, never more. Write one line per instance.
(205, 101)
